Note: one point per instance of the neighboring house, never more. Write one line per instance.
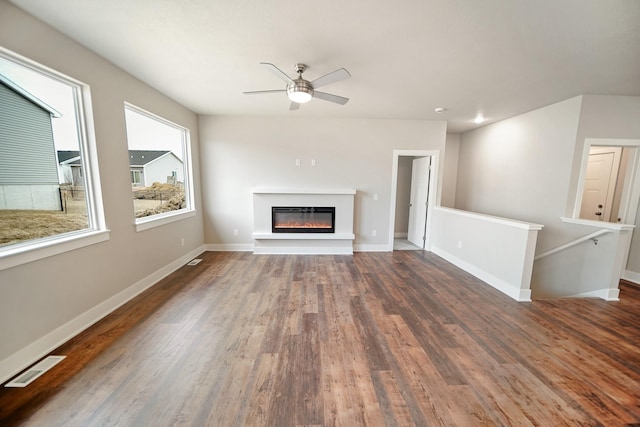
(149, 166)
(70, 168)
(28, 166)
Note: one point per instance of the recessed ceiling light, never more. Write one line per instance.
(440, 110)
(479, 119)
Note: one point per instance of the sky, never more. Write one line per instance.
(143, 133)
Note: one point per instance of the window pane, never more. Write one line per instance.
(158, 163)
(42, 183)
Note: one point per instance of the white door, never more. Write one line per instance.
(599, 186)
(418, 201)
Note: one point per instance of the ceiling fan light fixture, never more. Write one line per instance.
(300, 91)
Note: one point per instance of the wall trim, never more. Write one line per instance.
(30, 354)
(371, 248)
(607, 294)
(520, 295)
(303, 250)
(631, 276)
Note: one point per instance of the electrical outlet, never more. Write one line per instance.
(375, 196)
(459, 244)
(297, 162)
(235, 232)
(373, 233)
(182, 241)
(313, 162)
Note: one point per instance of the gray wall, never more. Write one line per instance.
(526, 168)
(37, 298)
(609, 117)
(403, 194)
(243, 152)
(520, 169)
(450, 182)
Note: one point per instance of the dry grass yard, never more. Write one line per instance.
(22, 225)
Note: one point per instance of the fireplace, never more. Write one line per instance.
(302, 219)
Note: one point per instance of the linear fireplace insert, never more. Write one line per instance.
(297, 219)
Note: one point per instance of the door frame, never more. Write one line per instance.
(631, 189)
(433, 194)
(612, 183)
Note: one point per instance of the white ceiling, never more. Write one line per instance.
(407, 57)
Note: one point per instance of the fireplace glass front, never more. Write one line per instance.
(288, 219)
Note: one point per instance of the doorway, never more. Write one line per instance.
(609, 187)
(624, 184)
(412, 197)
(602, 183)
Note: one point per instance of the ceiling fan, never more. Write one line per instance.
(300, 90)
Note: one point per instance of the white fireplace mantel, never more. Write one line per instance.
(266, 242)
(303, 191)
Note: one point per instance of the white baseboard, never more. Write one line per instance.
(25, 357)
(301, 250)
(520, 295)
(605, 294)
(631, 276)
(229, 247)
(371, 248)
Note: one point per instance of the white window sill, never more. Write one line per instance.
(162, 219)
(14, 255)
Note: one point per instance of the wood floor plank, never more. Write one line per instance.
(373, 339)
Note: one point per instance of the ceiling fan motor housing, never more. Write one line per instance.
(300, 90)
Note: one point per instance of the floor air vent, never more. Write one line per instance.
(195, 261)
(34, 372)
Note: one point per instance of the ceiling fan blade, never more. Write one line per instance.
(277, 71)
(258, 92)
(331, 98)
(336, 76)
(294, 106)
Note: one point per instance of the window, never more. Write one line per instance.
(136, 177)
(49, 188)
(160, 168)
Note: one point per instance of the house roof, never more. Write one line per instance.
(29, 96)
(69, 157)
(143, 157)
(136, 157)
(499, 58)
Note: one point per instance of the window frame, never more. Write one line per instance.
(20, 253)
(136, 177)
(157, 220)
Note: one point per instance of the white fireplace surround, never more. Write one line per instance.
(266, 242)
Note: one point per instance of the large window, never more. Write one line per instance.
(160, 168)
(49, 188)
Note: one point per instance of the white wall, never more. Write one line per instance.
(239, 153)
(526, 168)
(450, 178)
(38, 298)
(616, 117)
(159, 169)
(496, 250)
(520, 168)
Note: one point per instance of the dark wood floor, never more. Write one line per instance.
(396, 339)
